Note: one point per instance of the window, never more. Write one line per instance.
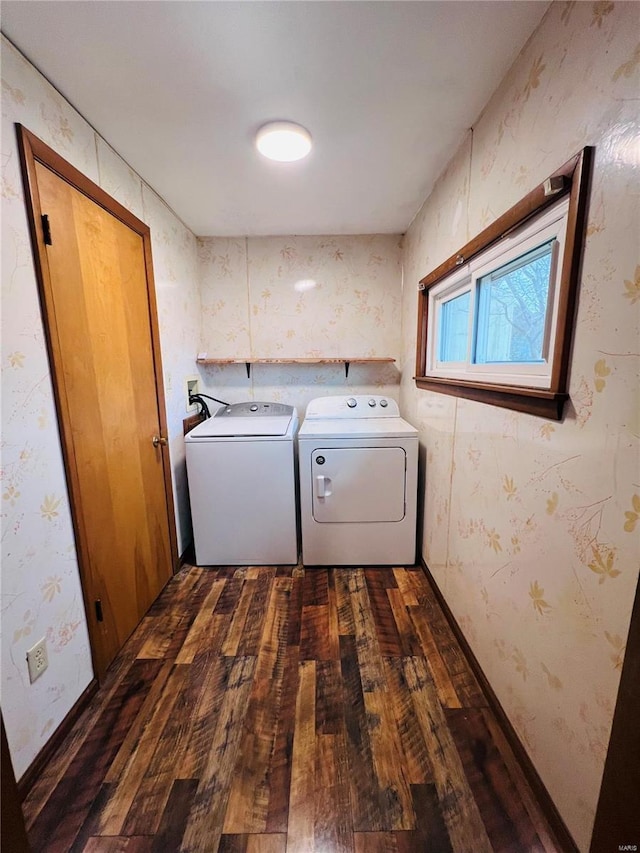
(495, 319)
(513, 310)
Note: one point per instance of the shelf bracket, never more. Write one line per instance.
(346, 369)
(247, 364)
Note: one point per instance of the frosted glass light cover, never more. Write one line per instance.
(283, 141)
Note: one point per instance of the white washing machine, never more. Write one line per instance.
(242, 485)
(358, 483)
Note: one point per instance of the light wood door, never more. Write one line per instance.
(94, 276)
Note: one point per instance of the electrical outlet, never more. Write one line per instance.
(37, 659)
(191, 386)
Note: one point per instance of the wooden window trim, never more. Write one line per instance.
(574, 178)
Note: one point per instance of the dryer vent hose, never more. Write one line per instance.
(204, 409)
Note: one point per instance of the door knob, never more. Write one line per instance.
(158, 440)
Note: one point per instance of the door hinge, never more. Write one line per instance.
(99, 613)
(46, 230)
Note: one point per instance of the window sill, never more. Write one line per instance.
(532, 401)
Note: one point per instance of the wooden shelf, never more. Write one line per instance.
(249, 361)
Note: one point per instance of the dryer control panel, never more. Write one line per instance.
(358, 406)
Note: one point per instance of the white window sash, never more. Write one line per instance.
(549, 225)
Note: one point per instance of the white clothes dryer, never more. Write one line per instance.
(358, 483)
(242, 485)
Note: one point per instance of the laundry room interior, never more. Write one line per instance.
(527, 523)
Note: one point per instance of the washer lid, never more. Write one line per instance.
(357, 428)
(230, 426)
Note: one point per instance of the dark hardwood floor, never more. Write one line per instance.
(262, 711)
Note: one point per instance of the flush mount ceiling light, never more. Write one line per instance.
(284, 141)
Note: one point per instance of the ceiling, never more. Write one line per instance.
(179, 88)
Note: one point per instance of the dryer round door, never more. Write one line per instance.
(358, 484)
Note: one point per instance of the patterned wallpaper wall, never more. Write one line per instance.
(41, 594)
(300, 297)
(531, 526)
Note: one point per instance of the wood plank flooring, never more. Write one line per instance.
(280, 710)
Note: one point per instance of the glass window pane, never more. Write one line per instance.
(453, 330)
(512, 309)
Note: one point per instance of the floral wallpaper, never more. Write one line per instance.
(300, 297)
(178, 298)
(41, 594)
(531, 527)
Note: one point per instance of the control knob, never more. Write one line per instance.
(384, 403)
(352, 403)
(253, 408)
(372, 403)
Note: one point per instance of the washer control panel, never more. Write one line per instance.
(252, 410)
(358, 406)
